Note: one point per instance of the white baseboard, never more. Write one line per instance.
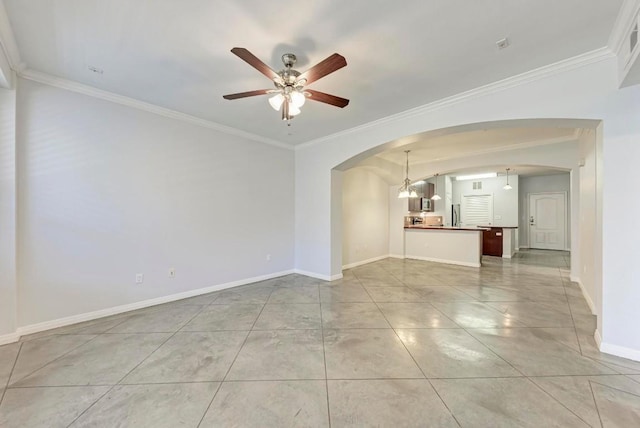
(506, 256)
(318, 275)
(618, 351)
(586, 296)
(364, 262)
(396, 256)
(9, 338)
(449, 262)
(89, 316)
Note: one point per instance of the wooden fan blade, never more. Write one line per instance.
(246, 94)
(327, 66)
(254, 62)
(327, 98)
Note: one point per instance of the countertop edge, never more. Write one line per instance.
(463, 229)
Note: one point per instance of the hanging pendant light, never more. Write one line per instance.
(435, 196)
(508, 186)
(407, 190)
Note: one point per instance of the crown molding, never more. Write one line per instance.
(80, 88)
(8, 41)
(491, 88)
(626, 17)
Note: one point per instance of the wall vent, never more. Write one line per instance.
(477, 185)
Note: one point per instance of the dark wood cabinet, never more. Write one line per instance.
(428, 191)
(492, 242)
(414, 204)
(425, 190)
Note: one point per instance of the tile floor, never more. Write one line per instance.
(394, 343)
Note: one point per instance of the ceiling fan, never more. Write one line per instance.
(290, 92)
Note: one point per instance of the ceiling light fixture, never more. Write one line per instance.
(435, 196)
(476, 176)
(407, 190)
(508, 186)
(290, 93)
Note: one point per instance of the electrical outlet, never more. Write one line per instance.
(172, 272)
(268, 257)
(139, 278)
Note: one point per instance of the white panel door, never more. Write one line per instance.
(547, 221)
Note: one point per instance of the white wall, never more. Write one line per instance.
(107, 191)
(585, 274)
(505, 202)
(621, 270)
(542, 184)
(365, 216)
(8, 284)
(583, 88)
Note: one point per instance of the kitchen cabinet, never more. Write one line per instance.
(425, 190)
(415, 204)
(492, 242)
(428, 191)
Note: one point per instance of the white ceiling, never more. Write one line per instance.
(390, 164)
(175, 54)
(472, 143)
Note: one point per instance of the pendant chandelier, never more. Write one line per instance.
(407, 190)
(508, 186)
(435, 196)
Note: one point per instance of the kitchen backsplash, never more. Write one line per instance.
(429, 220)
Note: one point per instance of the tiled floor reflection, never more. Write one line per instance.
(394, 343)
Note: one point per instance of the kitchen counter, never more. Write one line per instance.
(451, 245)
(418, 226)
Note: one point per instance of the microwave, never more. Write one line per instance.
(425, 204)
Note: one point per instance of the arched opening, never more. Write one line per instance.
(367, 218)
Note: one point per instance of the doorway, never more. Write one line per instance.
(548, 221)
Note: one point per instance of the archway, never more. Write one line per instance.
(568, 145)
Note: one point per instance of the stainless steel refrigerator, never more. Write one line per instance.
(455, 215)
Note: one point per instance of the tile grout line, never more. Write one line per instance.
(136, 366)
(555, 399)
(490, 350)
(416, 364)
(235, 358)
(573, 320)
(632, 379)
(324, 358)
(6, 386)
(72, 349)
(615, 388)
(595, 403)
(57, 358)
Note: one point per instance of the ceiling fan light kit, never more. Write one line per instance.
(290, 92)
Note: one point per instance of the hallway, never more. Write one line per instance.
(395, 342)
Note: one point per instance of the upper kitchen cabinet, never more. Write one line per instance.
(429, 190)
(423, 202)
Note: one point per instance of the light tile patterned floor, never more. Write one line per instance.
(394, 343)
